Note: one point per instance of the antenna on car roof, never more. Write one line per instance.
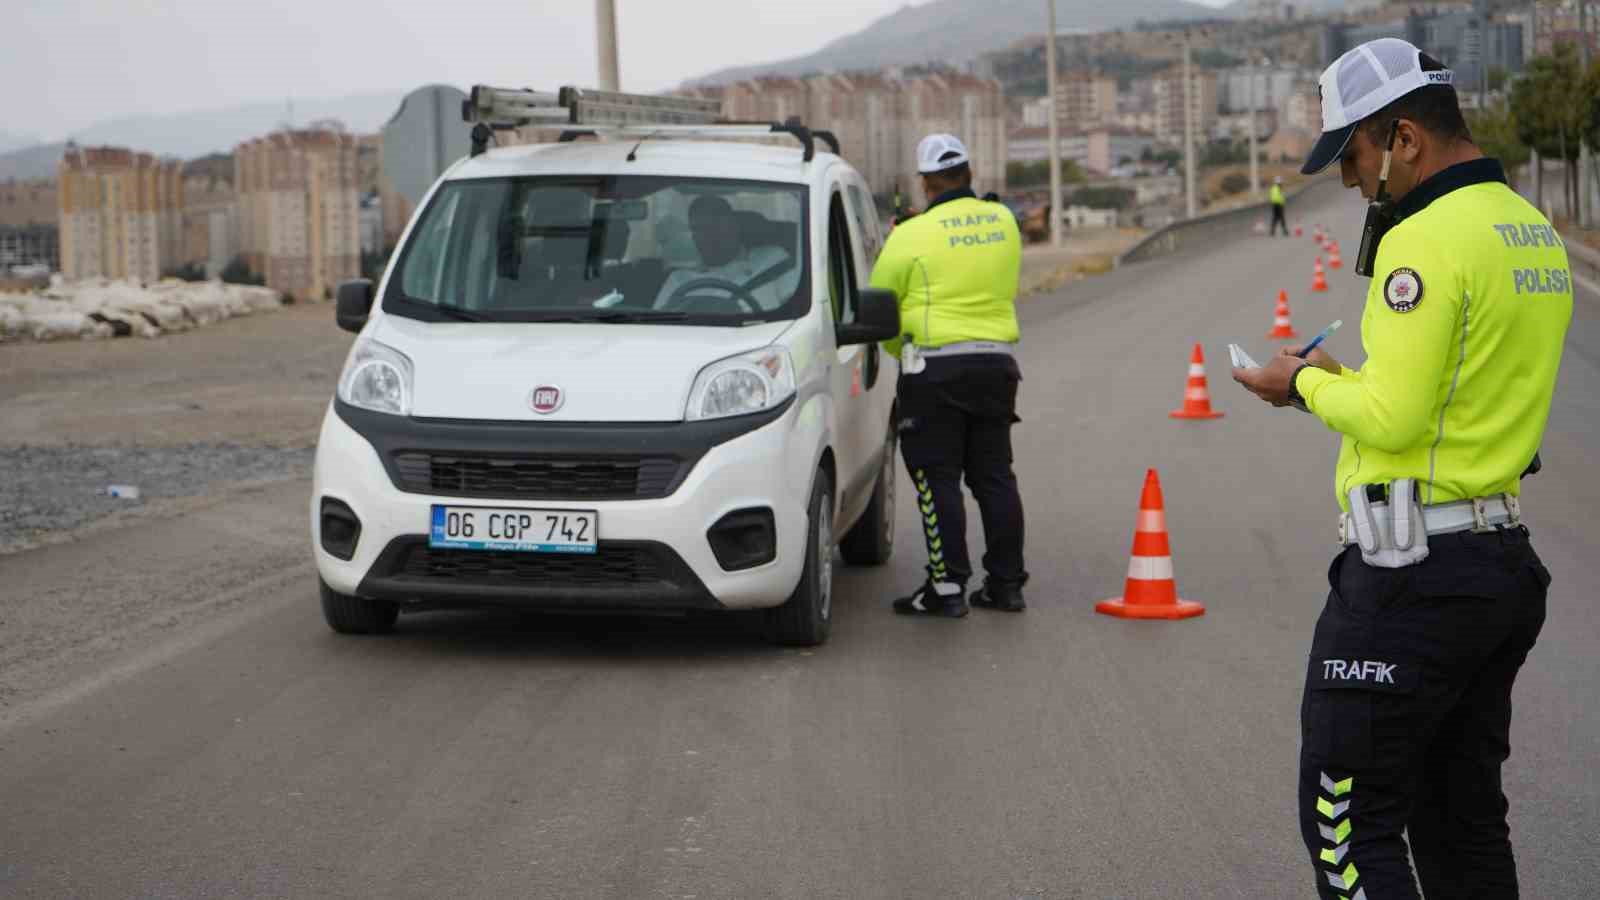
(634, 153)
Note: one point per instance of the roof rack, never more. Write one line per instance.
(612, 112)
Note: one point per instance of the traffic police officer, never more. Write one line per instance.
(1438, 596)
(1278, 203)
(954, 267)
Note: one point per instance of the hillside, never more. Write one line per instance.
(10, 141)
(954, 31)
(195, 134)
(38, 161)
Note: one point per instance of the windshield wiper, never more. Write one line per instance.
(459, 314)
(615, 316)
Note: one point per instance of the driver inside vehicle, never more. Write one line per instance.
(736, 266)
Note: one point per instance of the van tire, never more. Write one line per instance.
(804, 620)
(357, 615)
(870, 541)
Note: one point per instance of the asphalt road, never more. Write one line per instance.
(237, 748)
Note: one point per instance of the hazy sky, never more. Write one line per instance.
(73, 63)
(77, 62)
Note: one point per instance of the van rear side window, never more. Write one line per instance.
(704, 251)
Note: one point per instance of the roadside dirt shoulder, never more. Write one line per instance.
(258, 380)
(75, 614)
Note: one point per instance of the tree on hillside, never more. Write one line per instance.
(1103, 197)
(1552, 106)
(1025, 174)
(1494, 130)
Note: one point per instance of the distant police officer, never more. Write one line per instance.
(1438, 596)
(1278, 203)
(954, 267)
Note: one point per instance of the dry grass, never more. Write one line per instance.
(1042, 282)
(1211, 183)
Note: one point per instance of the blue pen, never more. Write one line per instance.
(1320, 338)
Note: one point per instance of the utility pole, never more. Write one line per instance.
(1585, 178)
(1534, 162)
(1255, 169)
(1055, 129)
(1188, 132)
(605, 17)
(1481, 8)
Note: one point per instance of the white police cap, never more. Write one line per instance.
(935, 146)
(1361, 82)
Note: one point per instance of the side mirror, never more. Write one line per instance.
(353, 303)
(878, 319)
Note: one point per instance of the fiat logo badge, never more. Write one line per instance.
(546, 399)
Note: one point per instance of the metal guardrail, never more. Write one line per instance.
(1205, 229)
(1584, 260)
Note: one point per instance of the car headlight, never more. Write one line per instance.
(747, 383)
(377, 377)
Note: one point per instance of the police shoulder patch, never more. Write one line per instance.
(1402, 290)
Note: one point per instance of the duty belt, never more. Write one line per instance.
(968, 348)
(1478, 514)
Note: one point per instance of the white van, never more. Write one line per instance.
(636, 374)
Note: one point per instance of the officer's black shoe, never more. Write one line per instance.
(935, 598)
(999, 595)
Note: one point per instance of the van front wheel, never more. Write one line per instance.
(870, 542)
(804, 620)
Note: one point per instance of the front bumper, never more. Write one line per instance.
(653, 553)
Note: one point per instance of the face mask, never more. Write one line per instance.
(1380, 213)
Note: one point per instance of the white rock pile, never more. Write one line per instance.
(86, 310)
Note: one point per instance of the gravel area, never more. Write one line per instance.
(58, 489)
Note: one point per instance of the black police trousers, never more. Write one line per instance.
(955, 419)
(1278, 221)
(1406, 718)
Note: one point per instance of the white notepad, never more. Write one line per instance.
(1241, 359)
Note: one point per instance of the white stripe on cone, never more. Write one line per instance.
(1150, 568)
(1196, 370)
(1196, 393)
(1151, 520)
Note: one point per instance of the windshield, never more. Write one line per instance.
(606, 249)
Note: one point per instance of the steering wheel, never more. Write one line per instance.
(738, 292)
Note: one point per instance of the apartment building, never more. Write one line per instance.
(1453, 36)
(29, 202)
(879, 117)
(1257, 87)
(1096, 151)
(972, 109)
(1036, 113)
(298, 202)
(1085, 99)
(120, 213)
(863, 110)
(210, 224)
(766, 99)
(1169, 96)
(29, 245)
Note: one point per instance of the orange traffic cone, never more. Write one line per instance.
(1150, 592)
(1298, 231)
(1319, 279)
(1196, 396)
(1334, 262)
(1280, 319)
